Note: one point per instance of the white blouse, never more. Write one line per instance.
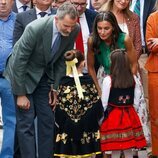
(124, 28)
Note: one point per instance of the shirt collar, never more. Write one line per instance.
(82, 15)
(9, 17)
(19, 4)
(55, 30)
(48, 11)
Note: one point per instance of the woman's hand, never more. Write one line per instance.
(152, 42)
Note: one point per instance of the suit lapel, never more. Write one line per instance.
(14, 8)
(146, 10)
(53, 11)
(32, 14)
(47, 38)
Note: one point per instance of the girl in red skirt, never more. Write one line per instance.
(121, 128)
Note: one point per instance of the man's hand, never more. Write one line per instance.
(23, 102)
(53, 99)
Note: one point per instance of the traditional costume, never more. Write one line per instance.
(76, 117)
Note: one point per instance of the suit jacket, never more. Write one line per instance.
(152, 32)
(149, 7)
(31, 57)
(90, 16)
(22, 20)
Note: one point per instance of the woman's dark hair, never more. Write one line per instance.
(110, 17)
(121, 73)
(72, 54)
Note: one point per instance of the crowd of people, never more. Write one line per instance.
(71, 82)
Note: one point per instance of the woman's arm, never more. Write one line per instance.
(131, 52)
(151, 33)
(90, 64)
(137, 42)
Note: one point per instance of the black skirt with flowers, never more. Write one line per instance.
(76, 120)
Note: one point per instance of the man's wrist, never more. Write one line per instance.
(52, 88)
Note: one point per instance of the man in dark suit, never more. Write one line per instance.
(90, 15)
(42, 8)
(34, 69)
(86, 18)
(22, 5)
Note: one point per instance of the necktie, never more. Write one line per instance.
(42, 14)
(90, 6)
(56, 44)
(137, 7)
(24, 7)
(79, 40)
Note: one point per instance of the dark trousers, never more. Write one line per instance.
(17, 153)
(45, 124)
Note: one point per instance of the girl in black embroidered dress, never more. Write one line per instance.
(77, 113)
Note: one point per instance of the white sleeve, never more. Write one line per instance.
(137, 92)
(106, 91)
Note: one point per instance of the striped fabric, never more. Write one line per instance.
(137, 7)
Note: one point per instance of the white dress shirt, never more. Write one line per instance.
(85, 35)
(124, 28)
(55, 32)
(48, 11)
(20, 8)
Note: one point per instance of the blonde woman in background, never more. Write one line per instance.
(127, 20)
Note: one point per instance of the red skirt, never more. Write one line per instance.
(122, 130)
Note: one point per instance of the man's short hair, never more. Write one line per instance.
(67, 8)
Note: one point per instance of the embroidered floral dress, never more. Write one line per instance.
(121, 128)
(77, 129)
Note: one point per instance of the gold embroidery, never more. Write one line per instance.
(72, 104)
(78, 156)
(62, 137)
(97, 135)
(87, 137)
(121, 135)
(67, 90)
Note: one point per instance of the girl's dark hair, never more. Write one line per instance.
(121, 73)
(72, 54)
(110, 17)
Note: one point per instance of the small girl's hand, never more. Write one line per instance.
(99, 92)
